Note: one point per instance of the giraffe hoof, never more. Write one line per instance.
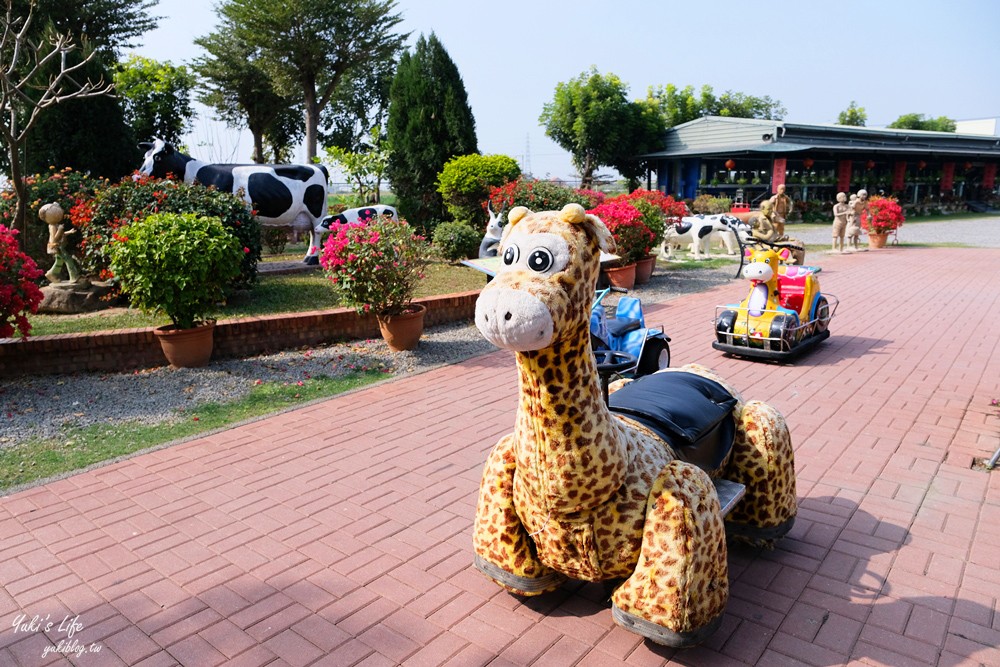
(516, 583)
(745, 532)
(662, 635)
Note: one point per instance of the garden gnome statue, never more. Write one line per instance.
(840, 211)
(52, 215)
(781, 205)
(853, 222)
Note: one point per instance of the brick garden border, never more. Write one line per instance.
(243, 337)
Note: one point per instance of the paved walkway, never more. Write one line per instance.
(339, 534)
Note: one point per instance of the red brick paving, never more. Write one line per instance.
(339, 534)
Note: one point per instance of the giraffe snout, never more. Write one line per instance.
(514, 319)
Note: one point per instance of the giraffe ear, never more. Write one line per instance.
(515, 216)
(605, 240)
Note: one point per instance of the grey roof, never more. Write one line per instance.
(715, 135)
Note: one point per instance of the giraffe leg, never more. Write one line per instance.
(504, 550)
(680, 586)
(763, 461)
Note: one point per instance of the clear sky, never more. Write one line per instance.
(890, 56)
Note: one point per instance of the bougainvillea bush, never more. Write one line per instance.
(134, 198)
(633, 239)
(658, 210)
(64, 187)
(540, 195)
(884, 215)
(19, 295)
(375, 265)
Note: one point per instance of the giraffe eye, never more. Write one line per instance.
(511, 254)
(540, 260)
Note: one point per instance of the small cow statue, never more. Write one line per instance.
(494, 229)
(697, 230)
(281, 194)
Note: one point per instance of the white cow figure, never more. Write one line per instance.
(281, 194)
(494, 229)
(697, 231)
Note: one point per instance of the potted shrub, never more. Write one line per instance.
(178, 265)
(882, 216)
(19, 295)
(374, 267)
(633, 240)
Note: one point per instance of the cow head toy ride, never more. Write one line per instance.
(635, 490)
(784, 314)
(281, 194)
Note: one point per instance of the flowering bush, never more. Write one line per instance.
(710, 205)
(632, 238)
(19, 296)
(537, 195)
(884, 215)
(375, 265)
(175, 264)
(64, 186)
(131, 200)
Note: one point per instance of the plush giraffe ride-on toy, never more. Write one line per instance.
(626, 492)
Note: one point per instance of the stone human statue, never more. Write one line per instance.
(781, 204)
(52, 215)
(762, 225)
(853, 222)
(840, 212)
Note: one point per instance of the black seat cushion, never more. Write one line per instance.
(691, 413)
(622, 325)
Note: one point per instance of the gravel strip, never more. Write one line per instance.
(42, 406)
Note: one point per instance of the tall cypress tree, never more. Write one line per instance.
(430, 122)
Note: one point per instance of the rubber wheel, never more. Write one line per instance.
(655, 356)
(724, 326)
(822, 315)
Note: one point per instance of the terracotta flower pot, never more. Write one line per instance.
(644, 269)
(621, 276)
(187, 348)
(877, 240)
(402, 332)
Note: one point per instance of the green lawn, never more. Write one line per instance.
(77, 448)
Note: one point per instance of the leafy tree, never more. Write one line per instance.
(360, 104)
(917, 121)
(366, 167)
(682, 105)
(853, 115)
(157, 97)
(88, 135)
(465, 183)
(107, 26)
(35, 74)
(643, 134)
(236, 85)
(309, 47)
(591, 117)
(430, 122)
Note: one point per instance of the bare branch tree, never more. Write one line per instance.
(35, 74)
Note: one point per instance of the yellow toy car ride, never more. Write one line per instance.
(784, 314)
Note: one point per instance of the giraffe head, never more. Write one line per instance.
(762, 264)
(543, 290)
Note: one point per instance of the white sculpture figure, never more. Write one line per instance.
(840, 213)
(52, 215)
(494, 229)
(853, 222)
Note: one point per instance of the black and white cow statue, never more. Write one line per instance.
(281, 194)
(696, 231)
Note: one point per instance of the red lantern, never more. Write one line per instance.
(807, 163)
(921, 164)
(870, 164)
(968, 166)
(730, 164)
